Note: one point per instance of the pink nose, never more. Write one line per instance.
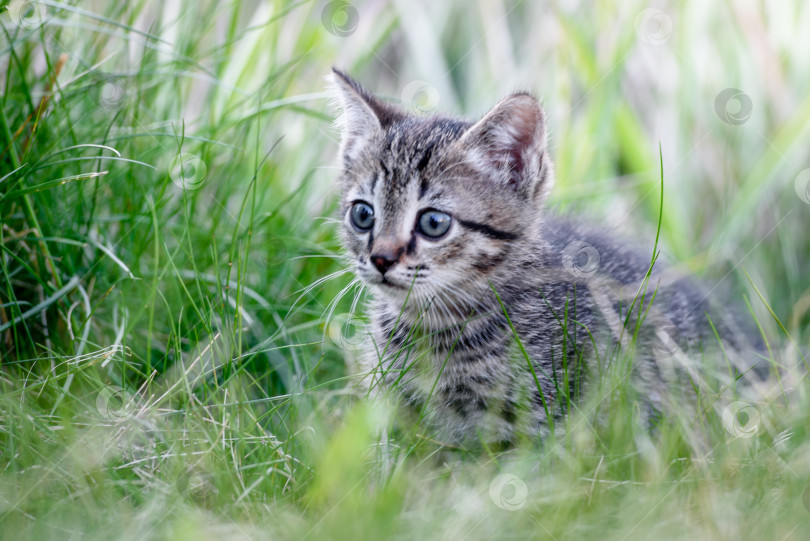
(383, 262)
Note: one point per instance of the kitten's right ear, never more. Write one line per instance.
(362, 117)
(508, 145)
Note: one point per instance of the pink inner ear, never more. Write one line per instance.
(517, 138)
(511, 161)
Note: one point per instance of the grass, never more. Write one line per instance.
(168, 370)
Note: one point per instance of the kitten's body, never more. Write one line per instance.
(440, 336)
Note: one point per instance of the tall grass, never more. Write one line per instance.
(168, 366)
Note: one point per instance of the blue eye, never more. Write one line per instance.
(362, 216)
(434, 224)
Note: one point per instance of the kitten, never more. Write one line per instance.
(490, 315)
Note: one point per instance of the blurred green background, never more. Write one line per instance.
(177, 330)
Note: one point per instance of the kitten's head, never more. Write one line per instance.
(436, 205)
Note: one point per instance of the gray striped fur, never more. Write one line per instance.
(449, 351)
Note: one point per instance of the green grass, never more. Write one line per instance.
(168, 364)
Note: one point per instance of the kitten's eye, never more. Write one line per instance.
(434, 224)
(362, 216)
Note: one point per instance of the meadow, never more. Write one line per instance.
(179, 332)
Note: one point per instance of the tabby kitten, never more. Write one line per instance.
(490, 315)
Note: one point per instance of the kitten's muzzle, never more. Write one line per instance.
(384, 261)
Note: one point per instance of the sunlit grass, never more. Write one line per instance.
(169, 370)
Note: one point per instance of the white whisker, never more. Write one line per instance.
(305, 291)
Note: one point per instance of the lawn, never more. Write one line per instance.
(179, 330)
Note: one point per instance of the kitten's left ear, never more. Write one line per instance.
(508, 145)
(363, 115)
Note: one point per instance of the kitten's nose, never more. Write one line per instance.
(383, 262)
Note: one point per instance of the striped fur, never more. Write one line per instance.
(441, 340)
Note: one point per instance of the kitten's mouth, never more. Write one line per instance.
(384, 281)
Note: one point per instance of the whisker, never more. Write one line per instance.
(357, 296)
(319, 281)
(310, 256)
(333, 304)
(305, 291)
